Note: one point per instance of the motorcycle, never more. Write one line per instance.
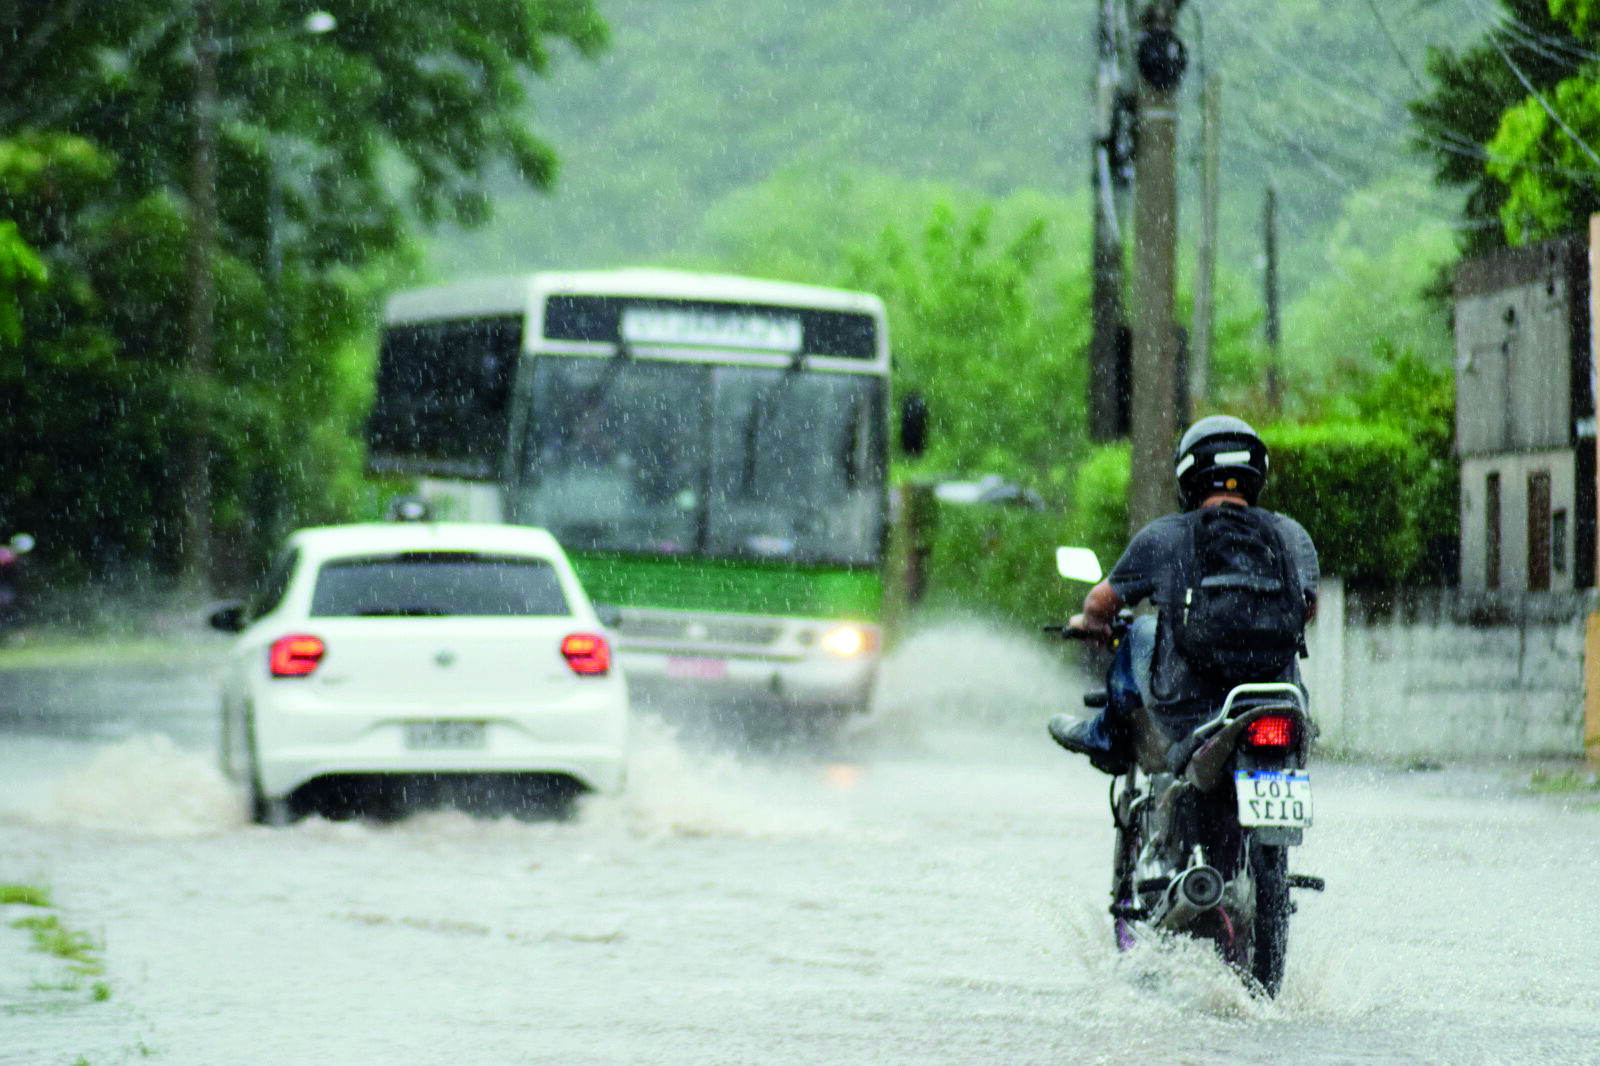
(11, 579)
(1204, 822)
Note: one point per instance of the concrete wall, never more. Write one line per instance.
(1449, 675)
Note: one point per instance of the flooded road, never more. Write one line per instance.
(931, 892)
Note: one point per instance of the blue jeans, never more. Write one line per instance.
(1127, 682)
(1130, 665)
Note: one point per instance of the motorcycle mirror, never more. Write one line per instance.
(1078, 564)
(22, 544)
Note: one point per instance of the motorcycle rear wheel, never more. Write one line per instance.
(1269, 940)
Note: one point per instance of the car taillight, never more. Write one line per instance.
(587, 654)
(295, 656)
(1270, 731)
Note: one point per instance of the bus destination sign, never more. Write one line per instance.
(710, 329)
(710, 324)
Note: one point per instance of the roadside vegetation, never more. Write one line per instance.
(79, 969)
(897, 148)
(1566, 783)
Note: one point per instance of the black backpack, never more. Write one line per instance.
(1241, 613)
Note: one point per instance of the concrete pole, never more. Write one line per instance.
(1591, 647)
(1108, 418)
(1204, 329)
(1108, 373)
(1155, 333)
(1269, 238)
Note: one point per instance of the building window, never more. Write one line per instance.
(1540, 532)
(1558, 541)
(1491, 530)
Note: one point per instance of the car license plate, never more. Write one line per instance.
(1279, 799)
(697, 669)
(440, 735)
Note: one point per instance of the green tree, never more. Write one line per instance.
(1003, 374)
(20, 266)
(330, 148)
(1490, 135)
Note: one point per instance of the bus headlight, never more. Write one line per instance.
(846, 641)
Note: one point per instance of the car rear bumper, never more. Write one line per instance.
(584, 738)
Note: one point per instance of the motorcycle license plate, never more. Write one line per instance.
(1278, 799)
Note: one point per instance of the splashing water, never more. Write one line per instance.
(148, 786)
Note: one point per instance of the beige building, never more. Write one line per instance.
(1525, 419)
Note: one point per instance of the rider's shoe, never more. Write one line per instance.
(1088, 736)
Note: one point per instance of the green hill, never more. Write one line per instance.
(697, 102)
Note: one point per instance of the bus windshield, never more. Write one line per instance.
(687, 458)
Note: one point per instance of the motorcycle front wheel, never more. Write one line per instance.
(1125, 855)
(1269, 940)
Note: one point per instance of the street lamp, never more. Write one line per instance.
(201, 322)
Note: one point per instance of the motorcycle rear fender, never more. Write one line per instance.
(1209, 765)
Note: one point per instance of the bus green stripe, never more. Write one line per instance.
(734, 586)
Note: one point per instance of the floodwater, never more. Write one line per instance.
(931, 892)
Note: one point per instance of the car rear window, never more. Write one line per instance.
(433, 584)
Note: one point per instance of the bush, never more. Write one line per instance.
(1378, 503)
(1367, 494)
(1100, 501)
(998, 562)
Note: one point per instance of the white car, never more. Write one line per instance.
(420, 656)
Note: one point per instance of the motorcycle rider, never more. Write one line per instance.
(1220, 462)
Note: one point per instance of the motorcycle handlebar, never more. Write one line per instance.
(1119, 629)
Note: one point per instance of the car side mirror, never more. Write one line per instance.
(227, 617)
(913, 424)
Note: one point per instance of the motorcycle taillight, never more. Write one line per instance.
(1271, 731)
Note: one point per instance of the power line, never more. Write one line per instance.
(1531, 36)
(1450, 140)
(1537, 95)
(1394, 44)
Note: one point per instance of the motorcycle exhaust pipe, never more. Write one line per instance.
(1192, 893)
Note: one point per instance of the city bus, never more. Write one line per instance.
(710, 450)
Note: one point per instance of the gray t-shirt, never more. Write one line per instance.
(1150, 569)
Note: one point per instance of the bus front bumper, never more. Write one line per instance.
(813, 684)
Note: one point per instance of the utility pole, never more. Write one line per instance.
(1591, 641)
(200, 326)
(1204, 328)
(1161, 60)
(1111, 172)
(1269, 236)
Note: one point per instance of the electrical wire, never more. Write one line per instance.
(1539, 96)
(1448, 140)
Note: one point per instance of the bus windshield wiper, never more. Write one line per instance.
(762, 412)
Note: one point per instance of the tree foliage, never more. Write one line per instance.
(331, 146)
(1514, 119)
